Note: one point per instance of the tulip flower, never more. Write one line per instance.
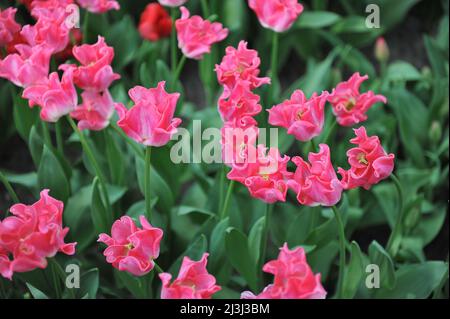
(193, 281)
(33, 234)
(293, 278)
(131, 248)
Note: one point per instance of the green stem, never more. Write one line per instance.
(394, 242)
(341, 232)
(148, 207)
(173, 41)
(55, 278)
(330, 132)
(90, 154)
(178, 70)
(158, 269)
(205, 8)
(46, 133)
(9, 188)
(221, 186)
(129, 141)
(59, 138)
(264, 243)
(273, 66)
(313, 146)
(86, 27)
(224, 212)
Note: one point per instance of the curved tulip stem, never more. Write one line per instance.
(273, 66)
(264, 242)
(132, 143)
(393, 242)
(341, 232)
(90, 154)
(330, 132)
(158, 269)
(173, 41)
(9, 188)
(46, 133)
(59, 138)
(313, 146)
(148, 203)
(86, 27)
(224, 212)
(178, 70)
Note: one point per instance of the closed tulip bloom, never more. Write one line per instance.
(150, 121)
(293, 278)
(95, 72)
(195, 35)
(155, 23)
(95, 111)
(369, 162)
(278, 15)
(264, 174)
(8, 25)
(193, 281)
(32, 234)
(99, 6)
(55, 97)
(131, 248)
(301, 117)
(240, 103)
(27, 67)
(316, 182)
(241, 64)
(172, 3)
(349, 105)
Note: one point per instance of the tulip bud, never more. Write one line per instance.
(435, 132)
(381, 50)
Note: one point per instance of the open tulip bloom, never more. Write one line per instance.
(258, 149)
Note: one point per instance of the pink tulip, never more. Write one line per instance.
(316, 182)
(55, 97)
(8, 25)
(240, 102)
(150, 121)
(236, 143)
(95, 72)
(95, 112)
(193, 281)
(28, 67)
(99, 6)
(50, 29)
(131, 248)
(349, 105)
(172, 3)
(293, 278)
(301, 117)
(278, 15)
(369, 162)
(195, 35)
(31, 235)
(238, 65)
(264, 174)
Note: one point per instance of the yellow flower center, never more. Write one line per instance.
(350, 104)
(362, 159)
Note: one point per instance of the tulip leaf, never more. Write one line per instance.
(239, 255)
(353, 273)
(51, 175)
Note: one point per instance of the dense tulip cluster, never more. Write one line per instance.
(35, 233)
